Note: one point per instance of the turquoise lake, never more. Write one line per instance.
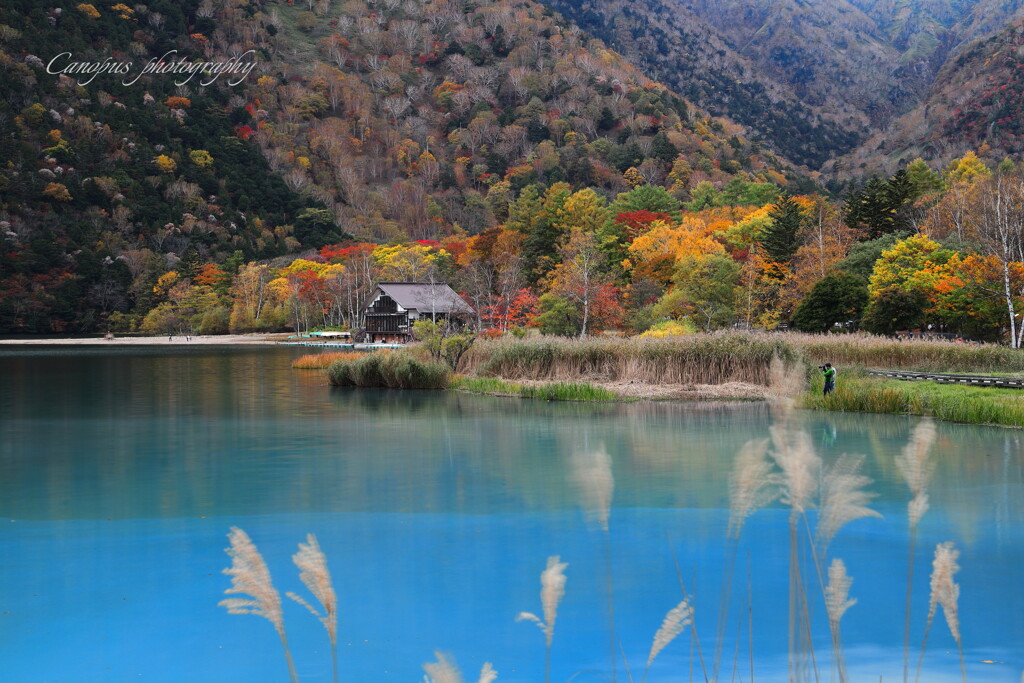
(122, 471)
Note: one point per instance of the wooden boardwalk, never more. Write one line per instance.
(973, 380)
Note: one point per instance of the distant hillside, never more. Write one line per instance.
(681, 49)
(977, 99)
(810, 78)
(408, 119)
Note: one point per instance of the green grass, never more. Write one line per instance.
(857, 392)
(555, 391)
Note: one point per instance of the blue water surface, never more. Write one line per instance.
(122, 470)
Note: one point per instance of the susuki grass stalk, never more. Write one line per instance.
(552, 590)
(591, 471)
(916, 468)
(695, 638)
(751, 487)
(312, 564)
(677, 619)
(945, 592)
(837, 601)
(250, 576)
(795, 456)
(843, 500)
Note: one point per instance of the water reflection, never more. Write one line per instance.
(448, 503)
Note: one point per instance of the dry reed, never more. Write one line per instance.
(695, 359)
(320, 361)
(945, 592)
(866, 350)
(313, 572)
(677, 619)
(250, 576)
(552, 590)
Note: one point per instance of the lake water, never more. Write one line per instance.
(122, 471)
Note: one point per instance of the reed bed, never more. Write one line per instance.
(556, 391)
(696, 359)
(866, 350)
(390, 370)
(971, 405)
(321, 361)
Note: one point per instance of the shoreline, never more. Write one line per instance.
(155, 340)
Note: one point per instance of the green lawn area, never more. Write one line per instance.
(858, 392)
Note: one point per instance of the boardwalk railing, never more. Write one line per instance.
(975, 380)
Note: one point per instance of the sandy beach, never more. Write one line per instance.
(175, 340)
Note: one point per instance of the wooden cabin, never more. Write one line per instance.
(395, 306)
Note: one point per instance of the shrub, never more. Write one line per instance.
(391, 370)
(321, 361)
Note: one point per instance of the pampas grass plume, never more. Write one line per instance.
(444, 670)
(786, 383)
(800, 465)
(837, 592)
(313, 572)
(250, 576)
(945, 591)
(843, 498)
(552, 590)
(751, 485)
(677, 619)
(917, 469)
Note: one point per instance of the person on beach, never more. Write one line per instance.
(829, 373)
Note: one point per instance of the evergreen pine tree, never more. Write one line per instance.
(780, 237)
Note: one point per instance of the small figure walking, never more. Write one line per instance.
(829, 373)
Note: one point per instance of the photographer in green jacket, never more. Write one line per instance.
(829, 373)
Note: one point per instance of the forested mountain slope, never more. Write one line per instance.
(384, 120)
(810, 78)
(673, 44)
(975, 103)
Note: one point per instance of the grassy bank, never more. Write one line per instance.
(869, 351)
(858, 392)
(389, 370)
(695, 359)
(554, 391)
